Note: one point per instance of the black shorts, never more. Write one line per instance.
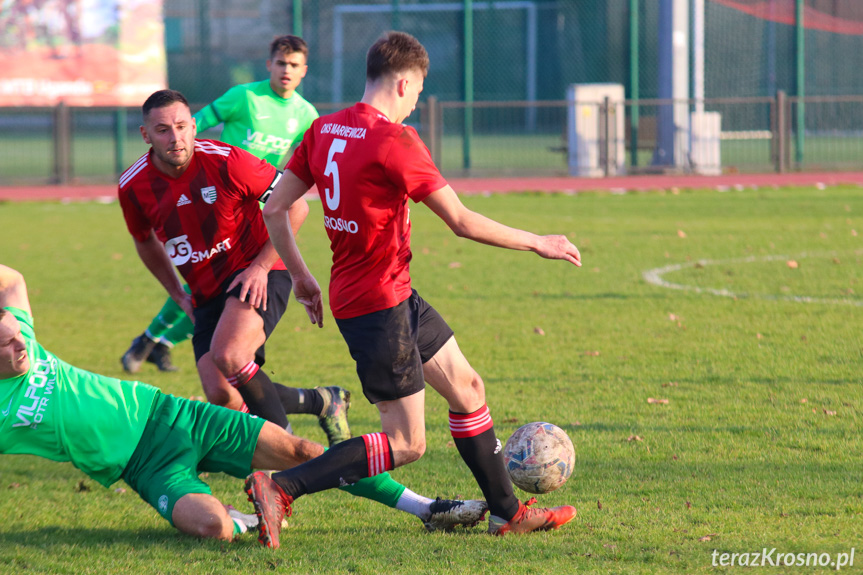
(207, 315)
(390, 347)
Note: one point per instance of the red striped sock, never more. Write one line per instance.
(378, 452)
(470, 424)
(244, 375)
(474, 437)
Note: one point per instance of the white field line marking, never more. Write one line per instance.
(654, 277)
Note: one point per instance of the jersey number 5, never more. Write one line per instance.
(337, 147)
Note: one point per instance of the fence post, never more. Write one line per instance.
(432, 120)
(119, 141)
(605, 136)
(62, 144)
(779, 139)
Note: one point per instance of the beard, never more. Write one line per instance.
(177, 160)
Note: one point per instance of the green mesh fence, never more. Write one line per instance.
(524, 52)
(522, 49)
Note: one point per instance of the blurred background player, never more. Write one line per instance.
(265, 118)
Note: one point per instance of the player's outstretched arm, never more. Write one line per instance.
(13, 290)
(466, 223)
(155, 258)
(290, 189)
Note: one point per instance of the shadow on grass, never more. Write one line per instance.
(56, 536)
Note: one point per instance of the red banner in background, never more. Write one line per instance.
(849, 20)
(81, 52)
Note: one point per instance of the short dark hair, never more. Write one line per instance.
(289, 44)
(396, 52)
(161, 99)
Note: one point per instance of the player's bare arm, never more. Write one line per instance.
(152, 253)
(306, 289)
(13, 289)
(297, 214)
(466, 223)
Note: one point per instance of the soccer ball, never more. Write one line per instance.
(539, 457)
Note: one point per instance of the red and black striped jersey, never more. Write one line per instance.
(208, 218)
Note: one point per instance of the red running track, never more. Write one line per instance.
(503, 185)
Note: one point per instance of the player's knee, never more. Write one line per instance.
(470, 392)
(416, 448)
(214, 528)
(228, 362)
(207, 526)
(475, 383)
(407, 449)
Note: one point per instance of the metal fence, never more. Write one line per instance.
(521, 49)
(517, 138)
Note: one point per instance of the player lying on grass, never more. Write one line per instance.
(366, 166)
(264, 118)
(157, 443)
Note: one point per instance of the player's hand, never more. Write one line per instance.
(254, 282)
(185, 304)
(559, 248)
(308, 292)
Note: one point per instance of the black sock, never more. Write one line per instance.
(475, 440)
(346, 462)
(295, 400)
(261, 398)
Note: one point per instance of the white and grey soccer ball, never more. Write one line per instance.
(539, 457)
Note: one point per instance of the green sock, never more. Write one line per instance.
(381, 488)
(180, 331)
(170, 314)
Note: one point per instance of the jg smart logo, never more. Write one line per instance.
(179, 250)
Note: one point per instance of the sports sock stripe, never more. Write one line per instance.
(470, 424)
(378, 453)
(244, 375)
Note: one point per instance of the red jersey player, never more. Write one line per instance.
(194, 204)
(367, 165)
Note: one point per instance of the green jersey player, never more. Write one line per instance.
(157, 443)
(267, 118)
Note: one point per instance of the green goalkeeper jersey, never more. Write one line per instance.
(63, 413)
(259, 121)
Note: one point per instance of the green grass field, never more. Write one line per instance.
(758, 445)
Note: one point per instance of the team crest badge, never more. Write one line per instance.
(209, 194)
(163, 504)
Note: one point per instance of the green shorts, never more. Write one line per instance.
(183, 438)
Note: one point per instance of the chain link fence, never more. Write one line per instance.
(505, 110)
